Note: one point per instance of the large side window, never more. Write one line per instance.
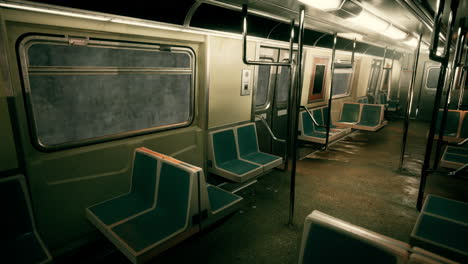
(317, 81)
(100, 90)
(342, 79)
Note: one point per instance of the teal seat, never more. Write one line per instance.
(371, 118)
(451, 126)
(140, 197)
(309, 128)
(167, 218)
(156, 209)
(318, 116)
(350, 113)
(461, 159)
(329, 240)
(20, 242)
(226, 159)
(448, 208)
(220, 199)
(363, 100)
(325, 117)
(457, 151)
(441, 235)
(464, 127)
(249, 150)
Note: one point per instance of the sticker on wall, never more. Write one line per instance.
(246, 82)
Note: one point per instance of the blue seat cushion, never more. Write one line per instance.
(316, 134)
(260, 158)
(122, 207)
(219, 198)
(238, 167)
(350, 113)
(447, 208)
(370, 115)
(456, 158)
(441, 231)
(327, 245)
(457, 151)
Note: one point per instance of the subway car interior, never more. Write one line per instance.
(234, 131)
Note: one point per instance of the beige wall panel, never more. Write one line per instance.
(226, 105)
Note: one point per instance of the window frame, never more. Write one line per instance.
(428, 69)
(272, 72)
(322, 61)
(348, 91)
(27, 40)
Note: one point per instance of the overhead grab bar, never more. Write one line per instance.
(312, 116)
(269, 129)
(436, 32)
(244, 49)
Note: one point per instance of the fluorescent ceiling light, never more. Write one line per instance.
(370, 21)
(351, 36)
(395, 33)
(325, 5)
(55, 12)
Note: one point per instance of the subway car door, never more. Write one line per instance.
(280, 103)
(263, 95)
(427, 91)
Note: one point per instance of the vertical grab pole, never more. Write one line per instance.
(296, 102)
(330, 97)
(409, 103)
(461, 66)
(354, 50)
(447, 100)
(380, 77)
(443, 59)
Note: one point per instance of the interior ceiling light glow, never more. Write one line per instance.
(412, 42)
(54, 12)
(351, 36)
(370, 21)
(325, 5)
(143, 24)
(395, 33)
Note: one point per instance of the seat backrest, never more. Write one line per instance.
(318, 115)
(224, 146)
(421, 256)
(350, 112)
(16, 215)
(307, 123)
(325, 115)
(464, 126)
(174, 189)
(453, 120)
(247, 139)
(144, 174)
(330, 240)
(371, 114)
(383, 98)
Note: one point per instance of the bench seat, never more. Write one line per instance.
(225, 159)
(330, 240)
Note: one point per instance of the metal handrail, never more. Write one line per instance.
(269, 130)
(455, 172)
(436, 32)
(289, 63)
(312, 116)
(459, 143)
